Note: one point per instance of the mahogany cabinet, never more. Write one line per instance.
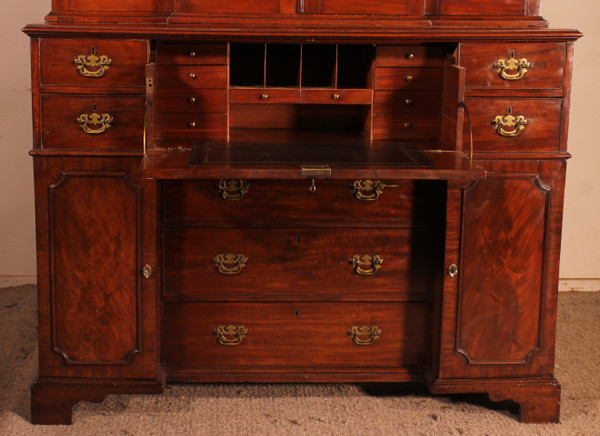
(298, 191)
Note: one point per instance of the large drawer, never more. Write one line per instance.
(93, 62)
(93, 122)
(228, 335)
(218, 203)
(253, 262)
(540, 133)
(482, 63)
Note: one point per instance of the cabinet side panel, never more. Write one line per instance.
(94, 290)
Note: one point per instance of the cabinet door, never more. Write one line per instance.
(97, 311)
(503, 307)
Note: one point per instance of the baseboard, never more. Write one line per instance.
(8, 281)
(579, 285)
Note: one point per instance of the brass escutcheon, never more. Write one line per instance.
(104, 122)
(518, 66)
(364, 335)
(372, 264)
(92, 66)
(229, 263)
(230, 334)
(233, 189)
(509, 125)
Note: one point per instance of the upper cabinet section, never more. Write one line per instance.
(175, 10)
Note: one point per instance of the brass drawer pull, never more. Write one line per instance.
(369, 190)
(509, 125)
(372, 264)
(233, 189)
(101, 122)
(230, 263)
(230, 334)
(98, 65)
(518, 66)
(364, 335)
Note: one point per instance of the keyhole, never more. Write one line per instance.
(93, 50)
(298, 239)
(95, 108)
(297, 312)
(512, 53)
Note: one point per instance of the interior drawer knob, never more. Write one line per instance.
(233, 189)
(409, 78)
(509, 125)
(230, 334)
(264, 96)
(364, 335)
(193, 76)
(512, 68)
(230, 263)
(95, 124)
(366, 265)
(92, 66)
(336, 96)
(191, 100)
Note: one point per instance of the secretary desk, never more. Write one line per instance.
(298, 191)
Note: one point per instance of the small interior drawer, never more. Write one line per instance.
(337, 96)
(93, 62)
(192, 76)
(527, 66)
(409, 79)
(296, 334)
(404, 127)
(540, 133)
(409, 56)
(415, 104)
(93, 122)
(264, 95)
(191, 54)
(192, 100)
(194, 125)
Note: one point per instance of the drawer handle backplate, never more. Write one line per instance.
(233, 189)
(100, 122)
(364, 335)
(509, 125)
(369, 190)
(372, 264)
(518, 66)
(229, 263)
(92, 66)
(230, 334)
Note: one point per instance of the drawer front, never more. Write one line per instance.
(198, 125)
(418, 104)
(191, 54)
(93, 122)
(93, 62)
(397, 7)
(188, 202)
(242, 262)
(337, 96)
(220, 6)
(401, 128)
(483, 65)
(540, 133)
(192, 100)
(264, 95)
(296, 334)
(192, 76)
(410, 79)
(409, 56)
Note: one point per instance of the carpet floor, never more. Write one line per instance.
(304, 409)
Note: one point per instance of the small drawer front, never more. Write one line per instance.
(257, 261)
(186, 76)
(93, 122)
(337, 96)
(418, 104)
(403, 128)
(496, 128)
(409, 56)
(390, 202)
(513, 66)
(361, 7)
(198, 125)
(192, 100)
(264, 95)
(409, 79)
(296, 334)
(93, 62)
(191, 54)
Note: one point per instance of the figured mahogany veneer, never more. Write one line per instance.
(295, 191)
